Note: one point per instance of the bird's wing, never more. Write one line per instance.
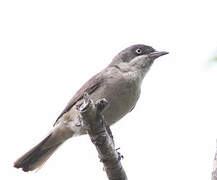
(89, 87)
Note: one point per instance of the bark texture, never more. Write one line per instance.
(93, 121)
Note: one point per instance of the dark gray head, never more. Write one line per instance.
(138, 55)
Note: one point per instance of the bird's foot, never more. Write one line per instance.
(120, 156)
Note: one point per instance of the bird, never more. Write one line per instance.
(119, 82)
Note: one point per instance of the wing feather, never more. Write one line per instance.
(90, 86)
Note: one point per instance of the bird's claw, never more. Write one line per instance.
(120, 156)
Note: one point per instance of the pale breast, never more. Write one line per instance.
(122, 90)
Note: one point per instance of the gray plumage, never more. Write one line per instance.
(120, 83)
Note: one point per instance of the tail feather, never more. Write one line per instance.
(38, 155)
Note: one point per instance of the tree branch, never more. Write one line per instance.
(93, 121)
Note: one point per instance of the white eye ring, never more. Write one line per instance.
(138, 51)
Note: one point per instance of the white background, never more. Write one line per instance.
(48, 49)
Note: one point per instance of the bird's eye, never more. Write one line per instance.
(138, 51)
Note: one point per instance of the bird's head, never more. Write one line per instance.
(139, 56)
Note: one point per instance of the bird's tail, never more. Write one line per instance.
(39, 154)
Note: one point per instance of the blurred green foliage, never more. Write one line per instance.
(214, 59)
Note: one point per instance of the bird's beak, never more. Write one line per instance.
(157, 54)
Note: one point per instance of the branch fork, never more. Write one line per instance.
(92, 118)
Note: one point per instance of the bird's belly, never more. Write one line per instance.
(122, 95)
(121, 101)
